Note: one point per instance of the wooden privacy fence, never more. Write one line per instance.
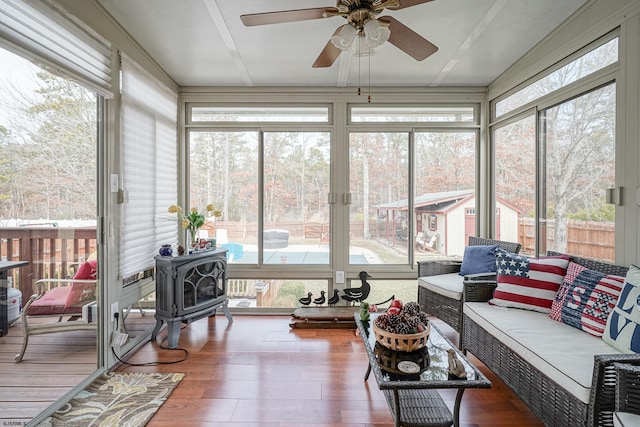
(51, 251)
(587, 239)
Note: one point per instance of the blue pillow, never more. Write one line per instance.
(478, 259)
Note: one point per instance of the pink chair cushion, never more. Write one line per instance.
(52, 303)
(82, 293)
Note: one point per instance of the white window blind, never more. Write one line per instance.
(44, 31)
(149, 167)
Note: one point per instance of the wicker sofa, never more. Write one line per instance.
(527, 349)
(440, 286)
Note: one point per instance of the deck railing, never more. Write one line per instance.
(52, 252)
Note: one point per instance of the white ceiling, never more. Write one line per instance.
(203, 42)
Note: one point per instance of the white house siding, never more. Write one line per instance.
(508, 223)
(455, 227)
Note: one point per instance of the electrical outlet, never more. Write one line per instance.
(114, 309)
(339, 276)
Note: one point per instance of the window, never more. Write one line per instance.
(379, 231)
(271, 171)
(587, 64)
(561, 202)
(578, 167)
(262, 114)
(445, 189)
(49, 139)
(515, 182)
(414, 114)
(295, 187)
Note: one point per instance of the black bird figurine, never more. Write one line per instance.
(358, 294)
(321, 299)
(306, 300)
(334, 299)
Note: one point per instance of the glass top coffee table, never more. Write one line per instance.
(409, 379)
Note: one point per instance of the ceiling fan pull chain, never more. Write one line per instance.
(369, 98)
(359, 62)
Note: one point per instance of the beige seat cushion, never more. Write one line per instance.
(559, 351)
(625, 419)
(449, 285)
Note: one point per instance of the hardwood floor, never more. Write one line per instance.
(257, 371)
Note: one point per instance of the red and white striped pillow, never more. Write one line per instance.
(563, 292)
(528, 283)
(601, 302)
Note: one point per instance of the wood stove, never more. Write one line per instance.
(188, 288)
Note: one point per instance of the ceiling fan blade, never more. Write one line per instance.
(286, 16)
(329, 54)
(409, 3)
(407, 40)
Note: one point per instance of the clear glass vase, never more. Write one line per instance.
(193, 238)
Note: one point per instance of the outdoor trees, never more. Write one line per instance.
(47, 147)
(580, 153)
(575, 146)
(445, 161)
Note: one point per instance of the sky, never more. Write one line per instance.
(16, 72)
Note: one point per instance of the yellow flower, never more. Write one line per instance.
(194, 219)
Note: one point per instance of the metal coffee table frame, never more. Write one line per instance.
(412, 398)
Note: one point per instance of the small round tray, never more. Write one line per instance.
(402, 362)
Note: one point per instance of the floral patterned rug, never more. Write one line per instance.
(116, 399)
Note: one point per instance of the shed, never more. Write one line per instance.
(444, 220)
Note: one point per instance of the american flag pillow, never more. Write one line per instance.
(528, 283)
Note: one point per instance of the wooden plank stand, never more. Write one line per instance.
(324, 317)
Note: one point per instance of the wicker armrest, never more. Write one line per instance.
(434, 268)
(627, 388)
(479, 287)
(478, 291)
(603, 387)
(481, 277)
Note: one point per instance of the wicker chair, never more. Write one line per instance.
(446, 304)
(59, 299)
(627, 395)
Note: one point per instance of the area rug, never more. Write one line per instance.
(116, 399)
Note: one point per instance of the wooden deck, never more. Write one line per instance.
(52, 365)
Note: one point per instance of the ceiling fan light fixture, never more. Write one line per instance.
(343, 40)
(364, 47)
(376, 33)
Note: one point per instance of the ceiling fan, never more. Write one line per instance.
(362, 22)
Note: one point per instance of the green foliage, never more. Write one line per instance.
(600, 213)
(285, 301)
(293, 289)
